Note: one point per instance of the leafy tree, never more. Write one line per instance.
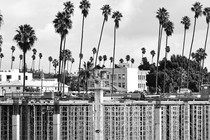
(127, 58)
(94, 52)
(55, 64)
(25, 39)
(106, 11)
(197, 9)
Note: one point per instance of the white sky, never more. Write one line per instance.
(138, 28)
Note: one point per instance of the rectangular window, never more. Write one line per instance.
(123, 85)
(119, 84)
(19, 77)
(119, 76)
(107, 76)
(26, 77)
(123, 76)
(8, 77)
(18, 88)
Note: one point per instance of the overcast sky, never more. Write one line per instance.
(138, 28)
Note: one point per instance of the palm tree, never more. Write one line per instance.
(55, 64)
(153, 54)
(62, 23)
(40, 57)
(100, 59)
(33, 59)
(21, 57)
(169, 28)
(1, 40)
(162, 16)
(91, 59)
(34, 51)
(127, 58)
(111, 60)
(186, 22)
(106, 11)
(1, 20)
(1, 56)
(132, 61)
(25, 39)
(84, 6)
(50, 60)
(117, 17)
(206, 13)
(13, 59)
(197, 9)
(104, 58)
(121, 60)
(94, 52)
(72, 61)
(143, 51)
(13, 49)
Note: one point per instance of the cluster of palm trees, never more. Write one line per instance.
(168, 26)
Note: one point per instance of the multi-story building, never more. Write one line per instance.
(131, 79)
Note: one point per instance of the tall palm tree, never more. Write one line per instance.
(21, 57)
(197, 9)
(25, 39)
(1, 20)
(94, 52)
(55, 64)
(152, 52)
(127, 58)
(50, 60)
(206, 13)
(13, 59)
(162, 15)
(1, 56)
(40, 57)
(132, 61)
(91, 59)
(104, 59)
(169, 29)
(13, 49)
(84, 6)
(186, 22)
(1, 40)
(72, 61)
(111, 60)
(121, 60)
(34, 51)
(117, 17)
(33, 60)
(106, 11)
(62, 23)
(100, 59)
(143, 51)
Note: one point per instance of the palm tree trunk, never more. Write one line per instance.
(49, 67)
(62, 64)
(64, 76)
(0, 63)
(99, 42)
(158, 53)
(24, 70)
(188, 64)
(59, 65)
(80, 52)
(11, 61)
(113, 60)
(182, 57)
(164, 82)
(207, 32)
(39, 63)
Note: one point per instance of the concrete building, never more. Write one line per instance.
(131, 79)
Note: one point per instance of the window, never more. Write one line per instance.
(123, 76)
(18, 88)
(0, 78)
(123, 84)
(19, 77)
(26, 77)
(9, 87)
(107, 76)
(119, 76)
(119, 84)
(8, 77)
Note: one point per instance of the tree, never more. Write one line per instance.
(162, 16)
(94, 52)
(25, 39)
(55, 64)
(186, 22)
(121, 60)
(197, 9)
(104, 58)
(13, 49)
(40, 57)
(152, 54)
(1, 21)
(111, 60)
(84, 6)
(1, 56)
(100, 59)
(206, 13)
(21, 57)
(169, 29)
(91, 59)
(62, 23)
(72, 61)
(132, 61)
(127, 58)
(143, 51)
(50, 60)
(106, 11)
(33, 61)
(117, 17)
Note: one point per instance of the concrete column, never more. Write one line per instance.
(157, 122)
(98, 109)
(16, 122)
(56, 122)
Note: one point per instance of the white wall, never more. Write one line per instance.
(132, 79)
